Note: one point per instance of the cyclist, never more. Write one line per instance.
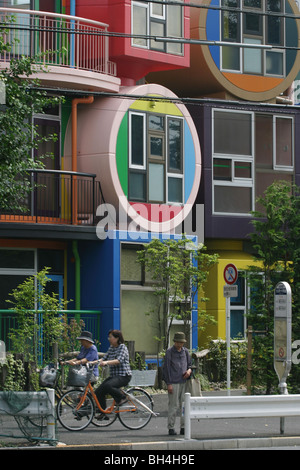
(88, 352)
(117, 358)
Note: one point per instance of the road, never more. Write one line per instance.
(217, 434)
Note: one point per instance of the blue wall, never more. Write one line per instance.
(101, 283)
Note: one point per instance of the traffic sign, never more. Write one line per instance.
(230, 274)
(230, 291)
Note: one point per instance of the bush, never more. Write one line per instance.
(215, 364)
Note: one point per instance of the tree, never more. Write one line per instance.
(178, 270)
(39, 326)
(276, 241)
(18, 136)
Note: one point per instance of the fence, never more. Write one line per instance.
(250, 406)
(61, 40)
(59, 197)
(8, 321)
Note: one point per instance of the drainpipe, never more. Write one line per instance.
(75, 102)
(72, 7)
(72, 39)
(77, 278)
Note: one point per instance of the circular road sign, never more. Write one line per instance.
(230, 274)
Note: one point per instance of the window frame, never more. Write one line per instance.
(133, 165)
(236, 182)
(277, 166)
(154, 159)
(262, 35)
(257, 167)
(152, 18)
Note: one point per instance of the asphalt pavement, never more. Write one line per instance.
(208, 434)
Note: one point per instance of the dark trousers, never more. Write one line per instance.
(111, 386)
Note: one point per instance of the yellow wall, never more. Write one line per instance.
(229, 252)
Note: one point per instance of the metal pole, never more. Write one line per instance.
(51, 415)
(249, 360)
(187, 413)
(228, 342)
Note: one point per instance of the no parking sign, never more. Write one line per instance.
(230, 274)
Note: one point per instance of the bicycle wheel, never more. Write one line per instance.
(102, 420)
(133, 415)
(70, 415)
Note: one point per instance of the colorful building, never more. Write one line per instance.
(244, 58)
(127, 162)
(151, 130)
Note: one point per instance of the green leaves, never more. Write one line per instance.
(178, 270)
(18, 135)
(38, 321)
(276, 238)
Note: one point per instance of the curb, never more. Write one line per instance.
(180, 446)
(192, 444)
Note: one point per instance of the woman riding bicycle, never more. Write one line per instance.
(88, 352)
(117, 358)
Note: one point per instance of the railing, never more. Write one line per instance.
(90, 318)
(59, 197)
(62, 40)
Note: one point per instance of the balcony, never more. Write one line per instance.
(59, 197)
(75, 50)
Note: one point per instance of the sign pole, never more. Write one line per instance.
(228, 344)
(230, 277)
(282, 337)
(282, 333)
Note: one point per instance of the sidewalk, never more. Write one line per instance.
(208, 434)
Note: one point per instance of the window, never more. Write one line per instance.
(283, 155)
(274, 150)
(251, 24)
(157, 19)
(238, 310)
(155, 158)
(17, 264)
(233, 162)
(243, 141)
(132, 272)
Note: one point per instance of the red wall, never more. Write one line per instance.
(132, 63)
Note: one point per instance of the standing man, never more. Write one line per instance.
(176, 370)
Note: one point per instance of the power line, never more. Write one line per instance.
(162, 99)
(167, 39)
(222, 8)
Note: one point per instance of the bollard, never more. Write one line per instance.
(187, 413)
(51, 415)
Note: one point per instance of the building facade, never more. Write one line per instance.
(150, 131)
(126, 166)
(244, 59)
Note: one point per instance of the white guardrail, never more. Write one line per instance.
(248, 406)
(41, 404)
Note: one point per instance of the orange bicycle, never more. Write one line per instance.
(76, 409)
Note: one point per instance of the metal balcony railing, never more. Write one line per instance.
(62, 40)
(59, 197)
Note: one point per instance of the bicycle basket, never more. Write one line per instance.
(78, 376)
(47, 377)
